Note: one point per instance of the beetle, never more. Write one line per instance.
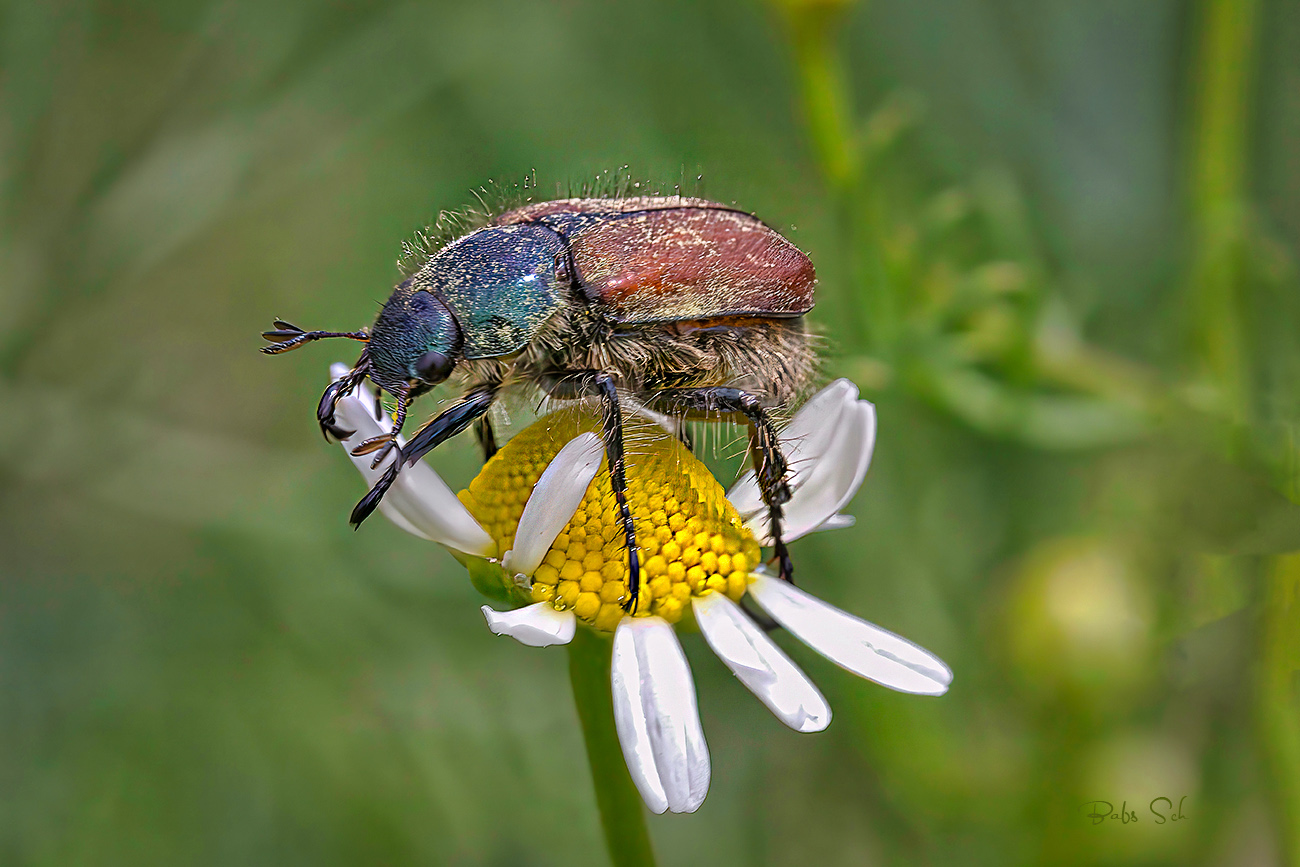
(677, 304)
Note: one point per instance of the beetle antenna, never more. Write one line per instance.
(289, 336)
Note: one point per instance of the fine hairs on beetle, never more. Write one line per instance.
(670, 303)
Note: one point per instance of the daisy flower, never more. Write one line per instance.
(540, 522)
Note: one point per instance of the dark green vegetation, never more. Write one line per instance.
(1057, 246)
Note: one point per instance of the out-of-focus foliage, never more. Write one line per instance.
(1056, 245)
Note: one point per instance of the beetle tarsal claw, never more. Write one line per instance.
(367, 504)
(339, 433)
(383, 453)
(334, 392)
(785, 566)
(383, 441)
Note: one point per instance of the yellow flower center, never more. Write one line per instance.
(691, 540)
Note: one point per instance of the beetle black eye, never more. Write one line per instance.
(434, 366)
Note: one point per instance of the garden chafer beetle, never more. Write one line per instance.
(677, 305)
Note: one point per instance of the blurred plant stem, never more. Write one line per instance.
(1279, 704)
(1223, 79)
(1218, 287)
(622, 813)
(814, 26)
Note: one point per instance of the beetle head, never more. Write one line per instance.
(415, 344)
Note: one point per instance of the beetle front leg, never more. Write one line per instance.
(385, 443)
(573, 384)
(770, 467)
(336, 391)
(442, 428)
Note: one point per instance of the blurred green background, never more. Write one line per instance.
(1056, 245)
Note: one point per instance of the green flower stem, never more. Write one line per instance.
(872, 318)
(1279, 700)
(622, 814)
(1219, 193)
(1223, 81)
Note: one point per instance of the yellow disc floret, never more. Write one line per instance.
(690, 540)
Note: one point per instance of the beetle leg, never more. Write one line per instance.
(336, 391)
(613, 435)
(571, 384)
(385, 443)
(443, 427)
(486, 438)
(450, 422)
(770, 467)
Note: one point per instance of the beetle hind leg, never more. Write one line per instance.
(770, 467)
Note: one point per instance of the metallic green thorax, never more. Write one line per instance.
(499, 283)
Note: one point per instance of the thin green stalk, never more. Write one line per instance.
(815, 28)
(828, 107)
(622, 814)
(1223, 79)
(1219, 191)
(1279, 700)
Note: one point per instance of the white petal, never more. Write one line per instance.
(808, 435)
(838, 474)
(537, 625)
(419, 501)
(338, 370)
(831, 481)
(814, 437)
(861, 647)
(836, 522)
(656, 717)
(803, 441)
(555, 497)
(760, 664)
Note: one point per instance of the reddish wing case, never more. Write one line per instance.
(672, 259)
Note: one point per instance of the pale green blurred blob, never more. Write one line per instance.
(1079, 622)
